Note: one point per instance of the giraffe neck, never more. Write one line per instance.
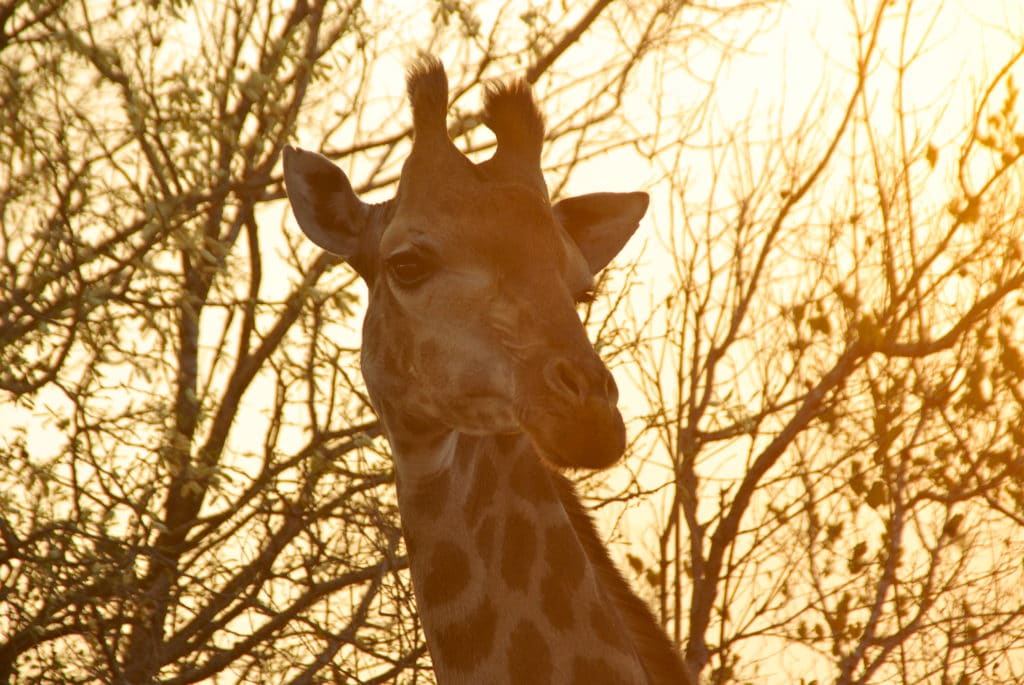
(507, 590)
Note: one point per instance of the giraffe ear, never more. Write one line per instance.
(324, 204)
(601, 223)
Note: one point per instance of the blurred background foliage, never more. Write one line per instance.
(820, 344)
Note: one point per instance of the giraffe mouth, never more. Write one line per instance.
(592, 436)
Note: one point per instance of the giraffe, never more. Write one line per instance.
(487, 388)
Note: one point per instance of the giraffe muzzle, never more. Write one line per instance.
(576, 423)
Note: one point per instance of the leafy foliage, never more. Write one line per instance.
(192, 485)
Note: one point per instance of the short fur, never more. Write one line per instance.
(509, 111)
(475, 358)
(427, 86)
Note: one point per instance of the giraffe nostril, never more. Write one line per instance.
(611, 388)
(566, 379)
(583, 380)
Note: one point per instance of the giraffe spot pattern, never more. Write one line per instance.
(563, 553)
(529, 657)
(464, 643)
(565, 571)
(594, 672)
(530, 481)
(519, 548)
(429, 496)
(448, 576)
(604, 627)
(556, 602)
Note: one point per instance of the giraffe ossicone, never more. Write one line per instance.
(486, 385)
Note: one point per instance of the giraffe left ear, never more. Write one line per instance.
(601, 223)
(328, 210)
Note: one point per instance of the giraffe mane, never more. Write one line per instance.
(659, 657)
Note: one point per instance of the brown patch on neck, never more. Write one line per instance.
(529, 480)
(464, 643)
(529, 657)
(429, 495)
(566, 570)
(448, 577)
(594, 672)
(519, 551)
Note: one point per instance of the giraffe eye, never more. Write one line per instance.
(408, 269)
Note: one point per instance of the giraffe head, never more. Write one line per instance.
(473, 280)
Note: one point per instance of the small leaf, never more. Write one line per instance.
(857, 482)
(797, 312)
(952, 527)
(876, 496)
(653, 578)
(820, 324)
(972, 212)
(849, 300)
(1012, 360)
(857, 562)
(869, 332)
(932, 155)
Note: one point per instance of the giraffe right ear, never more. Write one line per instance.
(324, 204)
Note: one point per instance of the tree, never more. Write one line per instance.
(833, 383)
(191, 484)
